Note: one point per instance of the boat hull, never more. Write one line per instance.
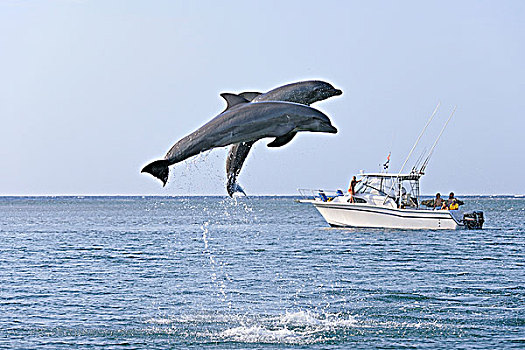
(359, 215)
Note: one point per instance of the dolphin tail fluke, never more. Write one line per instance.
(233, 187)
(238, 189)
(159, 169)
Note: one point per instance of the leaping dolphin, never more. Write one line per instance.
(236, 157)
(243, 121)
(303, 92)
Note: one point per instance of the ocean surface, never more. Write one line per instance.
(252, 273)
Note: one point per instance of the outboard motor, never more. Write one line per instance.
(473, 220)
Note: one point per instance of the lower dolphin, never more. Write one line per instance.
(303, 92)
(236, 157)
(242, 121)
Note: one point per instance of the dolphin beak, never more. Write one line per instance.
(329, 129)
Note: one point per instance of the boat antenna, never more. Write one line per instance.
(425, 163)
(413, 147)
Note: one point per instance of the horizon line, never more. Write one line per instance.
(221, 195)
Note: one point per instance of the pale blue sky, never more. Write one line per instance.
(91, 91)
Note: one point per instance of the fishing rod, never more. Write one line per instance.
(419, 138)
(413, 147)
(414, 168)
(425, 163)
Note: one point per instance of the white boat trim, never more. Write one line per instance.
(368, 216)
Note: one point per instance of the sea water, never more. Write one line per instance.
(256, 272)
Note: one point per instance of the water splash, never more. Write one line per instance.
(258, 334)
(299, 327)
(216, 267)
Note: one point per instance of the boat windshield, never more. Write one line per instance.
(374, 185)
(402, 189)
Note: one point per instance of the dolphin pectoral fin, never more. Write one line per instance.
(233, 100)
(282, 140)
(159, 169)
(250, 95)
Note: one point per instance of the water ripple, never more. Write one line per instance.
(193, 272)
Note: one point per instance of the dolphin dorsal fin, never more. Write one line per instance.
(250, 95)
(233, 99)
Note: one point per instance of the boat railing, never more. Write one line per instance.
(322, 195)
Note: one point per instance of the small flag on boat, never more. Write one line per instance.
(385, 166)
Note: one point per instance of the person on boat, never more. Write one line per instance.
(438, 202)
(451, 203)
(351, 189)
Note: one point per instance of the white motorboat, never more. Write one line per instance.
(385, 200)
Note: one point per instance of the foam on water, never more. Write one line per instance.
(300, 327)
(309, 319)
(258, 334)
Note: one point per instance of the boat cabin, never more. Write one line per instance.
(400, 190)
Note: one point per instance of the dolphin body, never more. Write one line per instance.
(242, 121)
(303, 92)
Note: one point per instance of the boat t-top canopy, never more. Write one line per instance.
(402, 177)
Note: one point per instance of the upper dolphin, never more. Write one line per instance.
(303, 92)
(242, 121)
